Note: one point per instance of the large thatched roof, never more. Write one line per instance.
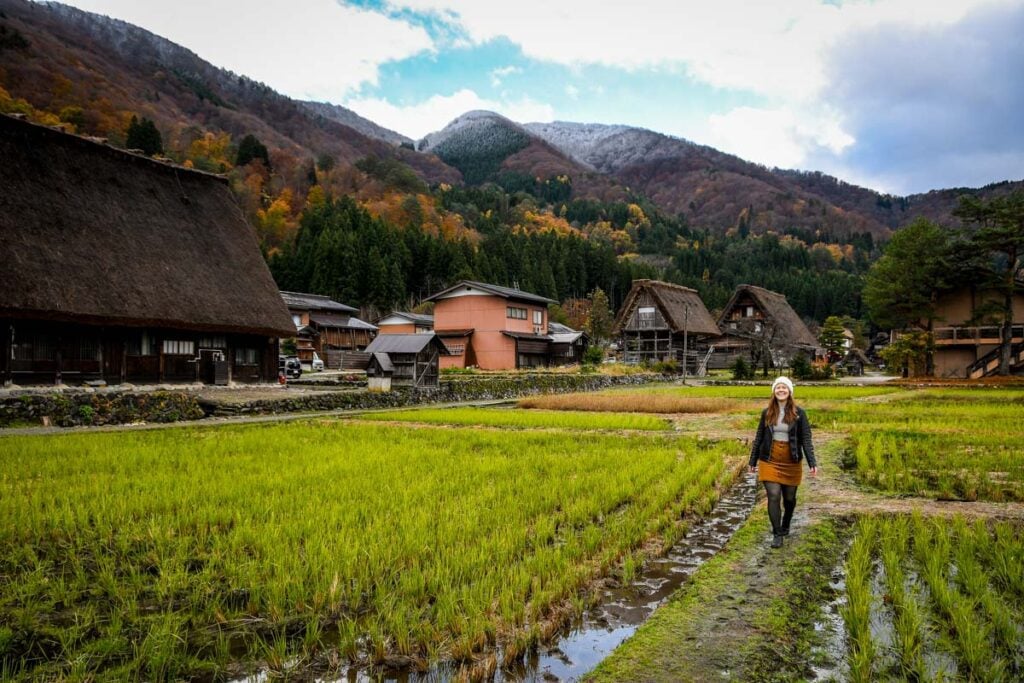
(789, 328)
(681, 306)
(92, 234)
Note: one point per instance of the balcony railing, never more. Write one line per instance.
(948, 336)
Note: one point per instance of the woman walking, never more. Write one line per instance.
(783, 438)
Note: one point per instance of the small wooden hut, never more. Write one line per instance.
(567, 345)
(661, 321)
(414, 359)
(120, 268)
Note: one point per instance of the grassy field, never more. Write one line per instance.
(676, 399)
(520, 419)
(167, 554)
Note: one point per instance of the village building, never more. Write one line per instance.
(761, 327)
(492, 327)
(326, 327)
(967, 347)
(661, 321)
(400, 322)
(405, 360)
(119, 268)
(567, 345)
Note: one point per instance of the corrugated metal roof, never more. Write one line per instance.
(404, 343)
(497, 290)
(384, 360)
(418, 318)
(314, 302)
(341, 321)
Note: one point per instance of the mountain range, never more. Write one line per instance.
(96, 72)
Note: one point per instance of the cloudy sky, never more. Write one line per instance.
(898, 95)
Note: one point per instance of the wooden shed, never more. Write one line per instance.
(120, 268)
(661, 321)
(414, 359)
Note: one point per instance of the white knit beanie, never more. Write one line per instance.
(783, 380)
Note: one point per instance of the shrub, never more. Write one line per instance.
(667, 367)
(740, 370)
(800, 367)
(594, 355)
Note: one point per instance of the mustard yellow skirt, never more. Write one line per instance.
(780, 468)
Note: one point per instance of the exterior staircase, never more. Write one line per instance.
(989, 363)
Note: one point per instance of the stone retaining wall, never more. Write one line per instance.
(76, 409)
(71, 409)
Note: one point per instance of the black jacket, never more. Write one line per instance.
(799, 440)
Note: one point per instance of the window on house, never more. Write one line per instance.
(245, 356)
(538, 317)
(34, 347)
(732, 326)
(141, 345)
(757, 327)
(297, 319)
(213, 343)
(645, 316)
(179, 348)
(749, 312)
(515, 313)
(456, 349)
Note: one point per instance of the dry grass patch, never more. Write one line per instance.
(635, 403)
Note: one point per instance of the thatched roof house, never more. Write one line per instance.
(750, 302)
(658, 319)
(760, 326)
(96, 236)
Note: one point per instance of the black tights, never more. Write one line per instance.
(780, 496)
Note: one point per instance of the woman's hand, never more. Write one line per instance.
(752, 469)
(814, 471)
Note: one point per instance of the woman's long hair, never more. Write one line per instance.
(772, 416)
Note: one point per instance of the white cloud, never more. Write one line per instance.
(770, 48)
(312, 49)
(498, 75)
(780, 137)
(435, 113)
(572, 91)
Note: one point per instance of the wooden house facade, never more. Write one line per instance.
(410, 360)
(120, 268)
(761, 327)
(326, 327)
(492, 327)
(661, 321)
(967, 342)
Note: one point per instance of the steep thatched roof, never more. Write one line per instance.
(92, 234)
(789, 328)
(673, 300)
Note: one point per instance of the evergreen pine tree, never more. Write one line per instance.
(143, 135)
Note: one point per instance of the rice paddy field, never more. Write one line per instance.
(171, 554)
(935, 600)
(470, 538)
